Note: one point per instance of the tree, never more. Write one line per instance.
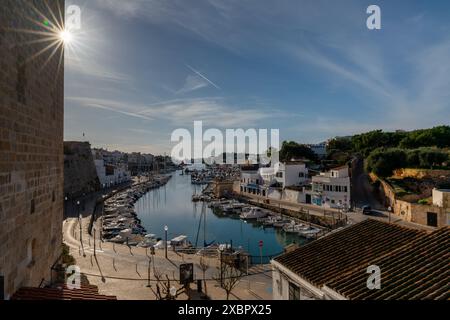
(204, 266)
(228, 277)
(429, 158)
(383, 162)
(340, 144)
(163, 287)
(293, 150)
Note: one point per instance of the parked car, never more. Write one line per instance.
(366, 209)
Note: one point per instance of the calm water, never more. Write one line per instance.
(171, 205)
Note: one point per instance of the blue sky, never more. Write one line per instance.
(139, 69)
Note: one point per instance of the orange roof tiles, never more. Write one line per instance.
(417, 270)
(86, 292)
(322, 260)
(414, 264)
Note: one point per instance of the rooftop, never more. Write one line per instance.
(418, 270)
(86, 292)
(320, 261)
(414, 263)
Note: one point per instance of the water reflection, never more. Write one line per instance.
(171, 205)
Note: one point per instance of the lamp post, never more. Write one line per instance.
(95, 254)
(166, 228)
(221, 268)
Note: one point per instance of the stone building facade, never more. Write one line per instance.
(80, 174)
(31, 144)
(436, 214)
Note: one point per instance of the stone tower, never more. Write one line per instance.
(31, 141)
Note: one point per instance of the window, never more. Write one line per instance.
(432, 219)
(279, 175)
(301, 175)
(294, 291)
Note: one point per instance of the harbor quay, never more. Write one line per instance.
(127, 271)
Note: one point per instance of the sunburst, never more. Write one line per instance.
(48, 30)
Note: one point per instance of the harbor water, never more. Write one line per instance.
(172, 206)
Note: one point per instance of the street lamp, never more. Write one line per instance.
(221, 249)
(166, 228)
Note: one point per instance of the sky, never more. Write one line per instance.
(139, 69)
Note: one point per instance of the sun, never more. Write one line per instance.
(66, 36)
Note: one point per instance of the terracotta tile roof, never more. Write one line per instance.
(86, 292)
(321, 261)
(417, 270)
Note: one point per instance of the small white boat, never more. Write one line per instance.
(180, 242)
(253, 213)
(161, 244)
(309, 233)
(294, 228)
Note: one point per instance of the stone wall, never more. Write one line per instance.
(412, 212)
(80, 174)
(421, 173)
(31, 146)
(222, 188)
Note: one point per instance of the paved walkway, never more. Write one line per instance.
(123, 272)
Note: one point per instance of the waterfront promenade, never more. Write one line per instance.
(123, 272)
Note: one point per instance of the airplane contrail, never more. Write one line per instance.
(205, 78)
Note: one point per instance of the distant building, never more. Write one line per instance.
(31, 147)
(139, 163)
(251, 181)
(320, 149)
(111, 175)
(109, 157)
(332, 189)
(413, 265)
(259, 181)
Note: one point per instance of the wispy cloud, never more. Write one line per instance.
(87, 67)
(213, 112)
(192, 83)
(203, 77)
(110, 105)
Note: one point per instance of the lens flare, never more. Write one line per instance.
(66, 36)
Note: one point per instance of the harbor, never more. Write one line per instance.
(206, 224)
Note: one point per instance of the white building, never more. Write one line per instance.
(332, 189)
(285, 174)
(262, 181)
(110, 175)
(252, 182)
